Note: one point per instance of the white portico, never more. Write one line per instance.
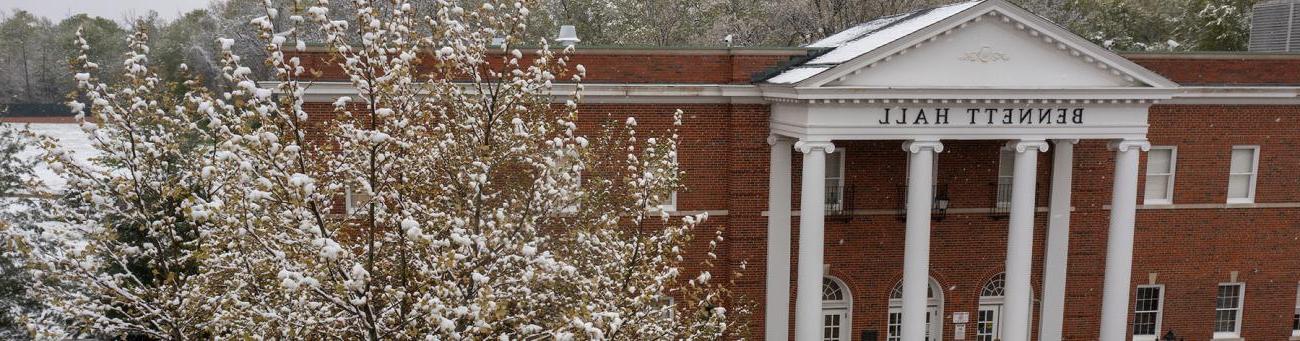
(984, 70)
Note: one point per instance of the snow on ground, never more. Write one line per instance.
(70, 137)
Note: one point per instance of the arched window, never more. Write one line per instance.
(933, 312)
(988, 322)
(837, 304)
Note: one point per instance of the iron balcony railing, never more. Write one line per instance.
(938, 202)
(839, 200)
(1002, 205)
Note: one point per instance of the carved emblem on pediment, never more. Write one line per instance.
(985, 55)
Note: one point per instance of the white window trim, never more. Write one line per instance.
(1169, 185)
(1002, 153)
(349, 207)
(671, 206)
(573, 207)
(1241, 311)
(671, 311)
(840, 153)
(1254, 175)
(1295, 333)
(1160, 312)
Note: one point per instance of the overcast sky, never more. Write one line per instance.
(112, 9)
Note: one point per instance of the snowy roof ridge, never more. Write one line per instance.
(866, 37)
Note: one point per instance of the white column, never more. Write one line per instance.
(812, 210)
(1020, 240)
(777, 307)
(1058, 242)
(1119, 241)
(916, 246)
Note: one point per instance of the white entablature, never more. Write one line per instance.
(975, 70)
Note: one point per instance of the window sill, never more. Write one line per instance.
(1241, 200)
(1157, 202)
(1294, 338)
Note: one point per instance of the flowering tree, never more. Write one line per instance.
(472, 208)
(16, 208)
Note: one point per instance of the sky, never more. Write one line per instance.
(111, 9)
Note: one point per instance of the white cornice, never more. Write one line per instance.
(745, 93)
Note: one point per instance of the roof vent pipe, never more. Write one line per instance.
(568, 36)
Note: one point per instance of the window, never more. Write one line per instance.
(933, 313)
(568, 171)
(835, 180)
(670, 203)
(1160, 175)
(836, 304)
(1147, 312)
(1227, 312)
(1295, 318)
(666, 306)
(1006, 172)
(1242, 175)
(355, 202)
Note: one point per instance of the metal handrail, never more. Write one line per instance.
(839, 199)
(1002, 204)
(938, 201)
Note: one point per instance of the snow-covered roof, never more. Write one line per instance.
(797, 74)
(71, 138)
(866, 37)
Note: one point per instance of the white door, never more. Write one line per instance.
(835, 325)
(932, 329)
(987, 323)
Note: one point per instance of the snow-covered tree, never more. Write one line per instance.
(16, 208)
(451, 198)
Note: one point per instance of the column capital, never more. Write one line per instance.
(773, 139)
(1126, 144)
(810, 146)
(1021, 146)
(1069, 141)
(915, 146)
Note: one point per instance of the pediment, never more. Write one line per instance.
(989, 44)
(987, 53)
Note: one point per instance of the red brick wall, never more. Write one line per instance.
(700, 67)
(1192, 250)
(1223, 70)
(725, 157)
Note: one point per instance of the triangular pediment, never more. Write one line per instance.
(987, 44)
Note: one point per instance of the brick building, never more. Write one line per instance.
(1040, 187)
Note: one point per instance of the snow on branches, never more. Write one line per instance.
(471, 206)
